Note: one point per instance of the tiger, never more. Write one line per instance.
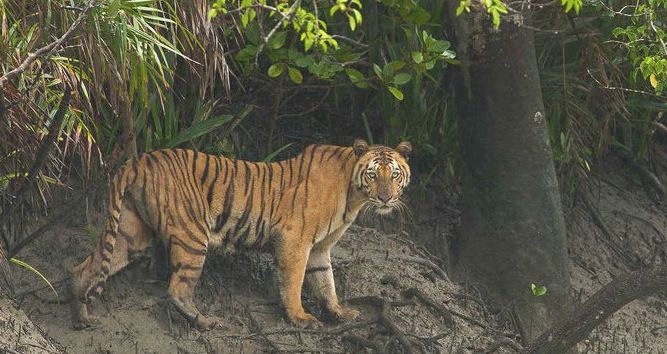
(192, 202)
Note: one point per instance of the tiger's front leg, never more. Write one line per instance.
(187, 261)
(320, 279)
(291, 258)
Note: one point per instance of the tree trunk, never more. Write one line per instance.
(512, 232)
(19, 335)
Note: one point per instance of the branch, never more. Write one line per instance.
(47, 143)
(604, 303)
(48, 49)
(286, 17)
(40, 157)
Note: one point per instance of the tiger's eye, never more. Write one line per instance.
(395, 174)
(372, 175)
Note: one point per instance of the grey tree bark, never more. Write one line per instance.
(512, 232)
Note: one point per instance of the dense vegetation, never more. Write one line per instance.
(88, 83)
(312, 71)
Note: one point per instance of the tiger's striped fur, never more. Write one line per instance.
(192, 201)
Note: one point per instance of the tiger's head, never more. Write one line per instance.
(382, 173)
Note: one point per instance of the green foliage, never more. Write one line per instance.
(538, 290)
(570, 5)
(495, 8)
(392, 53)
(272, 155)
(645, 39)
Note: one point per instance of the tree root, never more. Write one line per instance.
(361, 342)
(500, 342)
(566, 334)
(386, 319)
(609, 238)
(424, 299)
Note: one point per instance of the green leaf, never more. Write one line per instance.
(352, 22)
(276, 70)
(396, 92)
(277, 40)
(402, 78)
(448, 54)
(356, 77)
(538, 290)
(396, 65)
(377, 70)
(438, 46)
(247, 53)
(27, 266)
(273, 155)
(496, 18)
(417, 57)
(299, 59)
(245, 18)
(357, 16)
(295, 75)
(198, 129)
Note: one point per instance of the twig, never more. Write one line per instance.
(660, 127)
(48, 49)
(362, 342)
(39, 288)
(286, 17)
(609, 237)
(424, 299)
(259, 330)
(309, 110)
(47, 144)
(425, 262)
(40, 158)
(386, 317)
(654, 331)
(607, 87)
(56, 219)
(646, 175)
(502, 342)
(307, 350)
(9, 351)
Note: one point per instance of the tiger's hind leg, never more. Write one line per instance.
(133, 237)
(187, 260)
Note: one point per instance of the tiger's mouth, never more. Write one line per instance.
(384, 209)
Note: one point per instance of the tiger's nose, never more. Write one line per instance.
(384, 197)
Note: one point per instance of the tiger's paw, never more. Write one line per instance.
(346, 313)
(86, 321)
(306, 321)
(206, 323)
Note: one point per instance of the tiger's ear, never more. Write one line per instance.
(360, 147)
(404, 148)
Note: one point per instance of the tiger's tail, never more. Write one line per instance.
(88, 279)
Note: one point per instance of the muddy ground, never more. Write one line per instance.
(613, 227)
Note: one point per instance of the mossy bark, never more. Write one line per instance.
(512, 231)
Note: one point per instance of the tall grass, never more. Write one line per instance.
(135, 60)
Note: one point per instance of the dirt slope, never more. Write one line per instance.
(241, 288)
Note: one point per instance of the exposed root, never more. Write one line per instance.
(424, 299)
(502, 342)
